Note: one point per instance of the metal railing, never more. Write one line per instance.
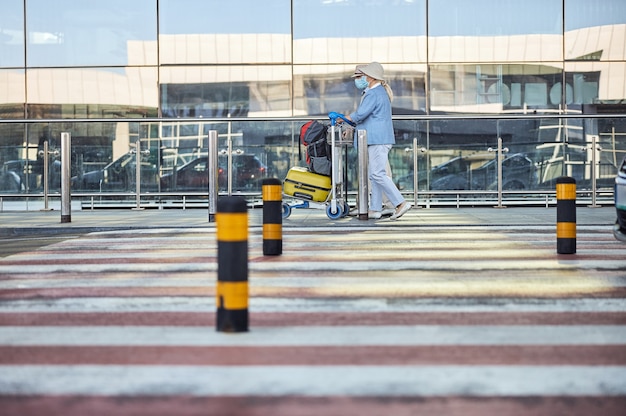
(422, 197)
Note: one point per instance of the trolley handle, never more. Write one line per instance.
(334, 116)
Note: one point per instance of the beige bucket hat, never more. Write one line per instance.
(373, 69)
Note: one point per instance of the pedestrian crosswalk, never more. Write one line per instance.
(368, 321)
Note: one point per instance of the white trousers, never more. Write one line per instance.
(380, 182)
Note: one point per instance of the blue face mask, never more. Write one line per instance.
(361, 83)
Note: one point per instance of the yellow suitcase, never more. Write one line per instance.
(304, 184)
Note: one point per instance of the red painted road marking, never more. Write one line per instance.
(553, 355)
(261, 319)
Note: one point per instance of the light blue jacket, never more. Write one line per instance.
(374, 116)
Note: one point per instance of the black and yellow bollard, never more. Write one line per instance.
(231, 293)
(272, 217)
(565, 215)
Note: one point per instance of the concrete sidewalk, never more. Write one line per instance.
(105, 219)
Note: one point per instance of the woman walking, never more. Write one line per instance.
(374, 115)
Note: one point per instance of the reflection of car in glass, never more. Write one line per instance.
(477, 172)
(619, 230)
(10, 181)
(118, 176)
(248, 170)
(30, 173)
(518, 173)
(449, 169)
(191, 176)
(13, 176)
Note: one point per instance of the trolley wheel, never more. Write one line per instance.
(346, 209)
(336, 215)
(286, 210)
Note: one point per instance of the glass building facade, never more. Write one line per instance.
(255, 71)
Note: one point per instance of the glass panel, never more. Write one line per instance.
(103, 157)
(224, 32)
(319, 89)
(12, 93)
(359, 31)
(12, 33)
(236, 91)
(13, 171)
(612, 149)
(458, 155)
(488, 31)
(258, 150)
(91, 32)
(595, 31)
(462, 154)
(495, 88)
(93, 92)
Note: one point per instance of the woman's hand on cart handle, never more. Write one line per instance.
(334, 117)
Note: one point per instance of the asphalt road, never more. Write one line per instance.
(14, 244)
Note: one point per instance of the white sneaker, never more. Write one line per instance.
(401, 210)
(374, 215)
(387, 211)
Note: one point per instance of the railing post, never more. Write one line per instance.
(500, 150)
(594, 148)
(416, 152)
(45, 154)
(66, 198)
(363, 197)
(138, 154)
(415, 172)
(212, 167)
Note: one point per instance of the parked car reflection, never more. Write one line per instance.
(10, 181)
(28, 175)
(619, 230)
(477, 172)
(518, 173)
(119, 175)
(248, 171)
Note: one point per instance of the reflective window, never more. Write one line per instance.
(11, 153)
(595, 30)
(358, 31)
(494, 18)
(12, 33)
(319, 89)
(12, 93)
(216, 31)
(92, 92)
(596, 82)
(259, 150)
(460, 155)
(235, 91)
(91, 32)
(585, 13)
(495, 31)
(494, 88)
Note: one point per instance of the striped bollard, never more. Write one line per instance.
(231, 292)
(565, 215)
(272, 217)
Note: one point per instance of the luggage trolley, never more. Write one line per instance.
(319, 191)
